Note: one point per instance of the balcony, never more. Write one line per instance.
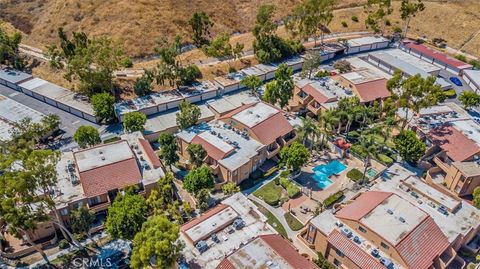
(215, 168)
(314, 107)
(272, 150)
(456, 263)
(99, 207)
(447, 256)
(289, 138)
(444, 166)
(435, 175)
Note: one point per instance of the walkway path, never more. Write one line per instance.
(278, 213)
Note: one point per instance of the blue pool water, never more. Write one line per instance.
(322, 172)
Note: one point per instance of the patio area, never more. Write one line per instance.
(339, 181)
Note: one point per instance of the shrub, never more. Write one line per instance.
(461, 57)
(232, 69)
(292, 190)
(355, 174)
(112, 139)
(385, 159)
(353, 134)
(63, 244)
(284, 173)
(397, 30)
(344, 24)
(270, 171)
(332, 199)
(354, 18)
(450, 93)
(388, 23)
(284, 182)
(358, 150)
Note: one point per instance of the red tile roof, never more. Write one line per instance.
(117, 175)
(203, 217)
(151, 156)
(226, 264)
(373, 90)
(437, 55)
(362, 205)
(457, 145)
(272, 128)
(422, 245)
(353, 252)
(283, 248)
(212, 151)
(318, 96)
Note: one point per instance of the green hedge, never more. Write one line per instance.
(112, 139)
(385, 159)
(292, 189)
(353, 134)
(271, 171)
(355, 174)
(332, 199)
(359, 150)
(450, 93)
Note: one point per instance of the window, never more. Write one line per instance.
(383, 245)
(64, 211)
(94, 200)
(339, 253)
(337, 262)
(235, 172)
(462, 178)
(361, 229)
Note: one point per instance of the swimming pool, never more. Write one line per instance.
(323, 171)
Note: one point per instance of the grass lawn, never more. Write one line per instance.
(270, 193)
(293, 222)
(272, 220)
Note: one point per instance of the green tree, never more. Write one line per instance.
(168, 149)
(197, 179)
(411, 148)
(188, 116)
(89, 61)
(409, 9)
(197, 154)
(126, 215)
(9, 49)
(159, 198)
(343, 66)
(201, 24)
(143, 85)
(87, 136)
(203, 196)
(252, 82)
(294, 156)
(188, 75)
(81, 221)
(102, 104)
(310, 18)
(311, 63)
(268, 46)
(28, 130)
(134, 121)
(414, 93)
(469, 99)
(230, 188)
(281, 89)
(370, 149)
(476, 197)
(220, 47)
(156, 245)
(377, 11)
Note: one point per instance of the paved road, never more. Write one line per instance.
(70, 122)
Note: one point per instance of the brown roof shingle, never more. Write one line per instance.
(117, 175)
(353, 252)
(362, 205)
(373, 90)
(285, 250)
(422, 245)
(457, 145)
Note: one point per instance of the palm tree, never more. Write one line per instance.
(370, 148)
(307, 130)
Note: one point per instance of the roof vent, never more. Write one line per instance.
(402, 220)
(103, 158)
(100, 151)
(389, 211)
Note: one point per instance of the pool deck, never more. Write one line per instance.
(340, 182)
